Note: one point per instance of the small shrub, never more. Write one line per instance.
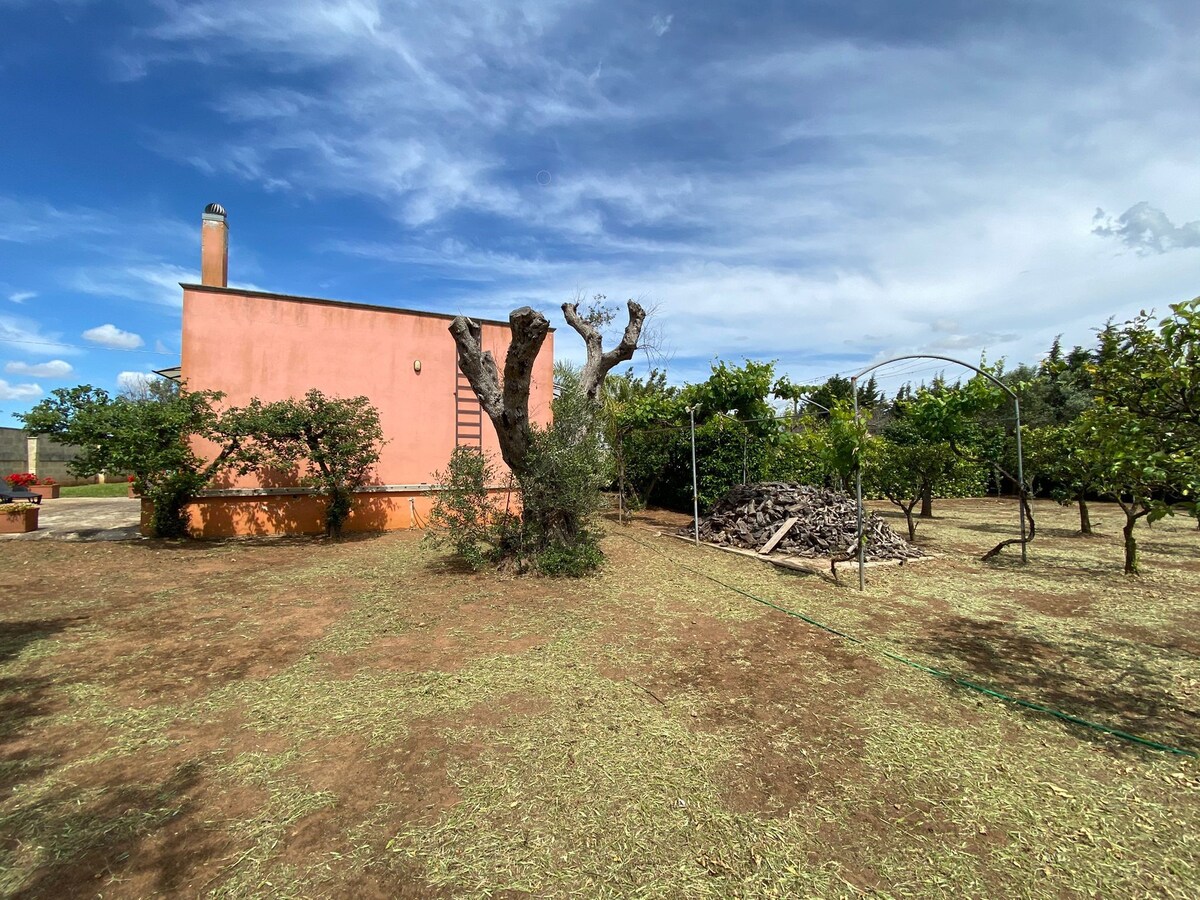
(571, 560)
(169, 498)
(464, 515)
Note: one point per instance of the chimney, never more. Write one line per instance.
(214, 247)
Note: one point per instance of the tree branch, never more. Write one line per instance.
(479, 366)
(599, 363)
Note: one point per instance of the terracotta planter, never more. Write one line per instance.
(132, 493)
(21, 522)
(48, 491)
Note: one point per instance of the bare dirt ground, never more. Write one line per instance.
(305, 719)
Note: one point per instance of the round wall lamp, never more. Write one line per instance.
(417, 366)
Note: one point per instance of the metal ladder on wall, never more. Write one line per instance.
(468, 414)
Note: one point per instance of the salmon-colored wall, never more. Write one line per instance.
(274, 346)
(218, 517)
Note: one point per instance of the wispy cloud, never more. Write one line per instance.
(21, 296)
(1146, 229)
(27, 221)
(112, 337)
(54, 368)
(27, 334)
(156, 283)
(790, 185)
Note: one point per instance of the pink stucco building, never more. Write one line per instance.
(273, 346)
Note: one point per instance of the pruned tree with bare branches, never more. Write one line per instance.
(505, 401)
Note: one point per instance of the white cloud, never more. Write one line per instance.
(22, 296)
(54, 368)
(113, 337)
(135, 381)
(19, 391)
(769, 187)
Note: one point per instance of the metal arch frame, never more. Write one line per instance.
(858, 468)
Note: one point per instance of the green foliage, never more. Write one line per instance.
(567, 467)
(845, 441)
(571, 560)
(332, 443)
(920, 432)
(738, 433)
(1147, 380)
(1056, 392)
(149, 437)
(465, 516)
(899, 472)
(153, 434)
(837, 390)
(740, 391)
(1063, 459)
(801, 456)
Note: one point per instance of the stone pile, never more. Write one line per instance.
(750, 516)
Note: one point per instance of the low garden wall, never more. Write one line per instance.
(281, 511)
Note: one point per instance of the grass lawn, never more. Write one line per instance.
(110, 489)
(294, 718)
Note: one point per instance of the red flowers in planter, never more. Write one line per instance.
(21, 479)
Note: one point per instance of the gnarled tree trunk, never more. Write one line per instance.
(507, 403)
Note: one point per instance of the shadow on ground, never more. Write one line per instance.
(1104, 680)
(110, 829)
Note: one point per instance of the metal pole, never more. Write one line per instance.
(862, 561)
(1000, 384)
(1021, 485)
(695, 483)
(745, 464)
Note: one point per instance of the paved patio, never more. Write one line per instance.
(85, 519)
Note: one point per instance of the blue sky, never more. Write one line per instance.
(821, 183)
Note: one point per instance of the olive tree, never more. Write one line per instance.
(546, 463)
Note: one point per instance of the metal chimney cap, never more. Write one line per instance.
(214, 209)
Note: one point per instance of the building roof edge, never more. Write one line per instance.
(349, 304)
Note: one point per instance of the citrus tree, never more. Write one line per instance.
(1145, 424)
(332, 443)
(150, 437)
